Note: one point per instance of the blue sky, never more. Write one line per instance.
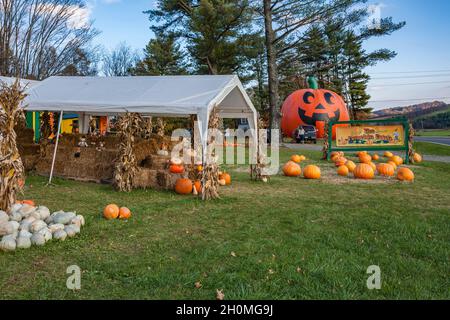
(422, 45)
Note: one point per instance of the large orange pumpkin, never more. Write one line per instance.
(311, 172)
(363, 171)
(312, 107)
(225, 176)
(405, 174)
(398, 160)
(183, 186)
(386, 169)
(343, 171)
(111, 211)
(176, 168)
(292, 169)
(124, 213)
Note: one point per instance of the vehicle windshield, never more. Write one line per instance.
(309, 128)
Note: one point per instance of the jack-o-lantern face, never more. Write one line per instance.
(312, 107)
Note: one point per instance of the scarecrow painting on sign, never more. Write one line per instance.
(312, 106)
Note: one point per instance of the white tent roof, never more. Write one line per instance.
(23, 82)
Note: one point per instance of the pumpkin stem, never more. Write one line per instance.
(312, 82)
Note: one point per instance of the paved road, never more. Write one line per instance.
(438, 140)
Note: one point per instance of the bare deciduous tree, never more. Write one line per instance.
(39, 38)
(120, 61)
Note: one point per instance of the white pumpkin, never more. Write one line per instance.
(37, 225)
(15, 216)
(44, 212)
(60, 235)
(8, 244)
(71, 230)
(37, 239)
(3, 217)
(23, 242)
(55, 227)
(25, 234)
(6, 228)
(26, 210)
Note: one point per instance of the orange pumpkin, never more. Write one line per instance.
(343, 171)
(386, 169)
(397, 160)
(350, 165)
(111, 211)
(360, 153)
(296, 158)
(29, 202)
(225, 176)
(376, 157)
(340, 161)
(292, 169)
(312, 107)
(311, 172)
(405, 174)
(388, 154)
(302, 158)
(183, 186)
(373, 165)
(176, 168)
(124, 213)
(365, 158)
(392, 163)
(198, 186)
(417, 158)
(363, 171)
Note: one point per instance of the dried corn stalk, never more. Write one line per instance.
(11, 167)
(160, 127)
(257, 170)
(126, 167)
(210, 174)
(92, 125)
(147, 127)
(411, 150)
(326, 146)
(46, 131)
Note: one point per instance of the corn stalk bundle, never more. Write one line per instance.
(325, 147)
(128, 126)
(160, 127)
(11, 166)
(46, 131)
(92, 125)
(210, 174)
(257, 170)
(147, 128)
(411, 150)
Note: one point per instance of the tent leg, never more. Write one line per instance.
(56, 147)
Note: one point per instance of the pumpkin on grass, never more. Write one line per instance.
(225, 176)
(373, 165)
(111, 211)
(350, 165)
(417, 158)
(365, 158)
(392, 163)
(124, 213)
(198, 186)
(29, 202)
(388, 154)
(311, 172)
(296, 158)
(292, 169)
(397, 160)
(386, 169)
(376, 157)
(405, 174)
(183, 186)
(340, 161)
(364, 171)
(343, 171)
(176, 168)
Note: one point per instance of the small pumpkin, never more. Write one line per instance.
(176, 168)
(292, 169)
(302, 158)
(343, 171)
(296, 158)
(340, 161)
(405, 174)
(386, 169)
(311, 172)
(183, 186)
(350, 165)
(222, 182)
(176, 161)
(124, 213)
(111, 211)
(392, 163)
(360, 153)
(397, 160)
(364, 171)
(388, 154)
(373, 165)
(225, 176)
(365, 158)
(198, 186)
(376, 157)
(417, 158)
(29, 202)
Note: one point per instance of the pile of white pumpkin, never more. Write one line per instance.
(27, 225)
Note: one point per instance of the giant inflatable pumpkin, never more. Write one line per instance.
(312, 106)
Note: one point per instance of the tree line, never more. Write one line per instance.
(272, 45)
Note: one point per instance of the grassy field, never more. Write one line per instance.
(432, 149)
(434, 133)
(291, 239)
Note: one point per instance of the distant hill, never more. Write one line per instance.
(411, 112)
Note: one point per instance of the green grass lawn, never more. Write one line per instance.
(434, 133)
(432, 149)
(330, 230)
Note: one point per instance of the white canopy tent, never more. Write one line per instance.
(168, 96)
(23, 82)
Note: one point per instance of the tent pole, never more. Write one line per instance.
(56, 147)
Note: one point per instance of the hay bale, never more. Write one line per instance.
(167, 180)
